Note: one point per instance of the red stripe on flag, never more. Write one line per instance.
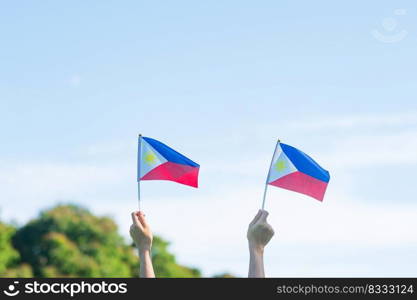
(302, 183)
(174, 172)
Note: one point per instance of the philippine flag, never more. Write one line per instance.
(157, 161)
(294, 170)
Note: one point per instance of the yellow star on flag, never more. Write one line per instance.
(150, 158)
(280, 165)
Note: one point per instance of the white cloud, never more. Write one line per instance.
(365, 150)
(28, 187)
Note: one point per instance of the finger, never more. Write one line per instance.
(134, 217)
(135, 220)
(142, 220)
(256, 217)
(264, 215)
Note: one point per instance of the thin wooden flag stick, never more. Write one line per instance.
(139, 160)
(269, 173)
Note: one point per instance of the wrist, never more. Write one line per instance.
(144, 251)
(256, 249)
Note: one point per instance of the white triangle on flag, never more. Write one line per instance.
(281, 166)
(150, 158)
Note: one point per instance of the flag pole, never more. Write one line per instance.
(139, 158)
(269, 173)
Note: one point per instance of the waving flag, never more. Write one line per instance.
(294, 170)
(157, 161)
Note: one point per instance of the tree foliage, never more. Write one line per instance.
(10, 263)
(69, 241)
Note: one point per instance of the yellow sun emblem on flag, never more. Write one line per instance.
(149, 158)
(280, 165)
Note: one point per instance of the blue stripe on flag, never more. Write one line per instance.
(305, 163)
(169, 153)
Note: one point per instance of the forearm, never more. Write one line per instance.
(256, 262)
(146, 267)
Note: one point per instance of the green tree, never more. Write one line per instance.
(68, 241)
(10, 265)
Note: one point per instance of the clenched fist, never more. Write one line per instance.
(141, 232)
(259, 231)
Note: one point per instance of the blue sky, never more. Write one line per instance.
(220, 82)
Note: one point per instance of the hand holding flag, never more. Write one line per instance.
(141, 232)
(259, 232)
